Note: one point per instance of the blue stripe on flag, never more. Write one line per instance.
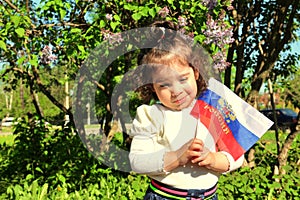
(241, 134)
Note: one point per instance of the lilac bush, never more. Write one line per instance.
(47, 56)
(210, 4)
(164, 12)
(218, 33)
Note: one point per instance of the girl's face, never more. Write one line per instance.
(175, 86)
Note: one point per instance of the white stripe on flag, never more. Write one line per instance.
(247, 115)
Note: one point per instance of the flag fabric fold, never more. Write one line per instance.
(235, 125)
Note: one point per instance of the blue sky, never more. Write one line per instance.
(296, 47)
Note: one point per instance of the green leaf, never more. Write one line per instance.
(29, 176)
(144, 11)
(43, 193)
(21, 60)
(3, 45)
(27, 20)
(81, 48)
(38, 169)
(20, 32)
(192, 10)
(62, 178)
(75, 30)
(113, 25)
(152, 12)
(34, 188)
(136, 16)
(199, 38)
(117, 18)
(170, 2)
(130, 7)
(62, 13)
(34, 61)
(102, 24)
(15, 20)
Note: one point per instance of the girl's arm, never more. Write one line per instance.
(146, 155)
(216, 161)
(191, 152)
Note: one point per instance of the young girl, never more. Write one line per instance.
(170, 145)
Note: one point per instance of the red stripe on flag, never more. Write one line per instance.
(214, 122)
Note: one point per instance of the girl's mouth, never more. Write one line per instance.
(179, 101)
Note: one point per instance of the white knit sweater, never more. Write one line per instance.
(157, 130)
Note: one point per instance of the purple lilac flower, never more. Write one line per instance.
(109, 17)
(220, 62)
(182, 21)
(230, 7)
(164, 12)
(47, 56)
(218, 32)
(112, 38)
(210, 4)
(116, 38)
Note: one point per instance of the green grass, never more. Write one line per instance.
(6, 129)
(268, 140)
(8, 139)
(269, 135)
(92, 126)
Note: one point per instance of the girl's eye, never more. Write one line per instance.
(183, 79)
(163, 85)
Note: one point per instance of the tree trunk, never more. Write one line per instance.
(22, 94)
(283, 155)
(35, 101)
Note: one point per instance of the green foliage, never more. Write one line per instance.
(6, 139)
(46, 162)
(260, 182)
(55, 165)
(73, 29)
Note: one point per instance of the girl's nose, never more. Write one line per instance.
(176, 90)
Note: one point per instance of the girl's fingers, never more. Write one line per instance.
(197, 141)
(199, 159)
(201, 153)
(197, 145)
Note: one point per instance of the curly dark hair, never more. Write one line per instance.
(171, 46)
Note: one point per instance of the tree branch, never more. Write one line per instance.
(63, 24)
(283, 155)
(27, 6)
(12, 6)
(41, 86)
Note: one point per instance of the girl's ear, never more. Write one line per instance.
(196, 73)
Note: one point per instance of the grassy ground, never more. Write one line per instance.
(6, 136)
(6, 130)
(8, 139)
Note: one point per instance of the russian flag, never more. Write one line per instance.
(235, 125)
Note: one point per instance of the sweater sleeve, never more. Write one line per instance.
(233, 164)
(146, 154)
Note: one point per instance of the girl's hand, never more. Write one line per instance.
(195, 152)
(183, 155)
(215, 161)
(190, 151)
(208, 160)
